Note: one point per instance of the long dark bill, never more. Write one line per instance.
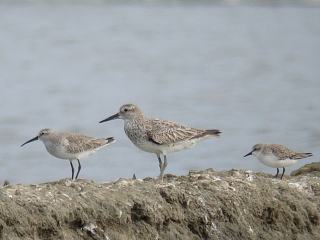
(31, 140)
(250, 153)
(115, 116)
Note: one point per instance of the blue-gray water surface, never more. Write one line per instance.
(252, 72)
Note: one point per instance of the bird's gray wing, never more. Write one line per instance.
(81, 143)
(167, 132)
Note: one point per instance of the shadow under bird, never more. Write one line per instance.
(276, 156)
(70, 146)
(158, 136)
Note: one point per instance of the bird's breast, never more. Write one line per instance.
(135, 132)
(58, 150)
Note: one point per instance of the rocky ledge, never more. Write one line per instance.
(202, 205)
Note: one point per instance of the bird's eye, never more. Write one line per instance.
(126, 110)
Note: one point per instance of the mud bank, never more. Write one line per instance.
(202, 205)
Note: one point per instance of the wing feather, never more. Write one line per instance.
(283, 152)
(167, 132)
(81, 143)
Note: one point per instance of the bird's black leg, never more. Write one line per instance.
(160, 162)
(283, 172)
(165, 163)
(79, 168)
(72, 170)
(162, 166)
(277, 173)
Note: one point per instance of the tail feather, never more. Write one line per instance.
(210, 132)
(302, 155)
(213, 132)
(110, 140)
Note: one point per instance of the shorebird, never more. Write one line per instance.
(276, 156)
(158, 136)
(70, 146)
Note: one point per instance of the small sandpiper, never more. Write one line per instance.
(276, 156)
(70, 146)
(158, 136)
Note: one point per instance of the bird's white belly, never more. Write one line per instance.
(163, 148)
(273, 161)
(59, 151)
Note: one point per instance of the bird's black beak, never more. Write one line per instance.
(115, 116)
(31, 140)
(250, 153)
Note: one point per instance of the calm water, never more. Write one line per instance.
(253, 72)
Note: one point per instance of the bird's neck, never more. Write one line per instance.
(136, 122)
(135, 119)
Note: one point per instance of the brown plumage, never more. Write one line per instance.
(77, 143)
(168, 132)
(283, 152)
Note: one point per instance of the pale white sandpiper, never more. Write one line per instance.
(158, 136)
(276, 156)
(70, 146)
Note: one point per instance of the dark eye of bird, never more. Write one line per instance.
(126, 110)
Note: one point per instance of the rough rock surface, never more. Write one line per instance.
(202, 205)
(308, 168)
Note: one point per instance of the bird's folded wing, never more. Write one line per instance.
(282, 152)
(166, 132)
(82, 143)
